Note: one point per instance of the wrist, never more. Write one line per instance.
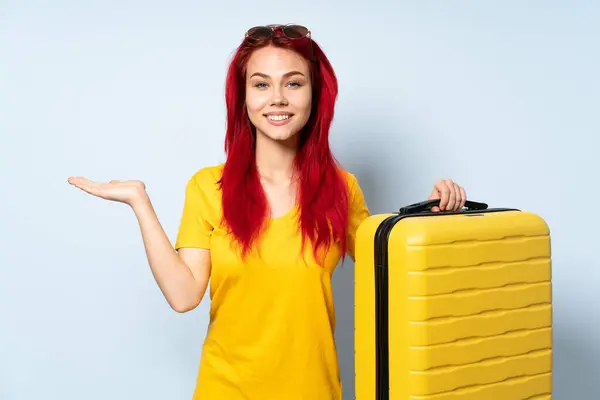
(141, 203)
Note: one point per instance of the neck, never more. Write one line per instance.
(275, 159)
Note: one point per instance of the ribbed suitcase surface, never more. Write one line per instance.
(453, 307)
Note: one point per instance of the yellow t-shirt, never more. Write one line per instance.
(271, 330)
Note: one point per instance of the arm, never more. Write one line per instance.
(181, 276)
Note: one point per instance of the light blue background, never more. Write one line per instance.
(500, 96)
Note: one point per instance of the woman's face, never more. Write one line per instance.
(278, 92)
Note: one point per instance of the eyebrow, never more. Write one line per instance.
(286, 75)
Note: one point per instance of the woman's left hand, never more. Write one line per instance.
(452, 196)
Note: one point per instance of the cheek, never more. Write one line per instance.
(255, 103)
(303, 105)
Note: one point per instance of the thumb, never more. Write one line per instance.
(434, 195)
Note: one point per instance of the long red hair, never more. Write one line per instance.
(322, 196)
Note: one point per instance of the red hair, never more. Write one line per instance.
(323, 195)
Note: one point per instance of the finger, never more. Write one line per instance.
(458, 198)
(79, 180)
(445, 194)
(442, 194)
(88, 188)
(86, 185)
(453, 196)
(82, 182)
(434, 195)
(463, 197)
(454, 202)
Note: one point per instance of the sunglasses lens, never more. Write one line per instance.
(259, 31)
(295, 31)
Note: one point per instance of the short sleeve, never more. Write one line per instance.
(358, 212)
(196, 225)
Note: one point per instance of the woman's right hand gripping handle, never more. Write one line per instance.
(181, 275)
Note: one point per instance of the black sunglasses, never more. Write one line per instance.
(291, 31)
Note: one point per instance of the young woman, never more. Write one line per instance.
(267, 227)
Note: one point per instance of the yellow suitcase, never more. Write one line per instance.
(453, 305)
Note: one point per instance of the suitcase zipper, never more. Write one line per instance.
(381, 306)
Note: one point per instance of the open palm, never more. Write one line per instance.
(122, 191)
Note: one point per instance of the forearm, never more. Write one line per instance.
(172, 275)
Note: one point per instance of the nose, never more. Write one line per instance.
(278, 98)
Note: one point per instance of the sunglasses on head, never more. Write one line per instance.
(290, 31)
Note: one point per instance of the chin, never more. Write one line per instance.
(279, 133)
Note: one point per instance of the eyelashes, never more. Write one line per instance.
(264, 85)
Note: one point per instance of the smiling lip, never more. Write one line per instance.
(278, 118)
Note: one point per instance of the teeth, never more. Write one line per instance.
(277, 117)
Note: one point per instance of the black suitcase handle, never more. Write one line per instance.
(428, 204)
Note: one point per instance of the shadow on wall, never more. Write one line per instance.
(382, 168)
(576, 372)
(375, 164)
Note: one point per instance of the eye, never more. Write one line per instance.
(260, 85)
(294, 84)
